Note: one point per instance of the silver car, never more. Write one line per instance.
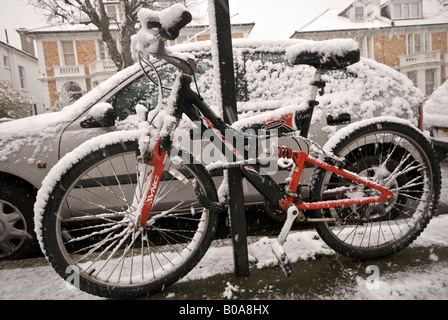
(435, 119)
(30, 147)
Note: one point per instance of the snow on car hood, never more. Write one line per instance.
(31, 131)
(435, 110)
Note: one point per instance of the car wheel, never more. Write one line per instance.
(17, 237)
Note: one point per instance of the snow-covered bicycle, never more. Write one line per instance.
(129, 212)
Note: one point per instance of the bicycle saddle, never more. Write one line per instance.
(326, 55)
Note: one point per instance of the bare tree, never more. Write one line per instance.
(94, 12)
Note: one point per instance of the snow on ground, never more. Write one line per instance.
(42, 283)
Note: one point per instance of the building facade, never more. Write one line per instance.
(73, 58)
(71, 63)
(21, 69)
(410, 36)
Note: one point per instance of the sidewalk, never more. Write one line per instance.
(328, 277)
(333, 277)
(419, 272)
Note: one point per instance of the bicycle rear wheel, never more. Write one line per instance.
(392, 154)
(89, 230)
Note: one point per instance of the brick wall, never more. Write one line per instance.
(387, 49)
(51, 56)
(206, 37)
(52, 91)
(439, 42)
(86, 51)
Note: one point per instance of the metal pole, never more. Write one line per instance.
(237, 212)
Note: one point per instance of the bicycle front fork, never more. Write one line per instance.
(157, 164)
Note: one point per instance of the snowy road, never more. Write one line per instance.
(419, 272)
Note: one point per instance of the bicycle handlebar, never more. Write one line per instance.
(156, 28)
(172, 32)
(167, 23)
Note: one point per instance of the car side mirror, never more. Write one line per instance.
(100, 115)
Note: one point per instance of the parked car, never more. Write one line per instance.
(435, 119)
(30, 147)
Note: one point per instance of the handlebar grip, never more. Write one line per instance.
(171, 28)
(172, 32)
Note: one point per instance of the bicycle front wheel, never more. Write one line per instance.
(392, 154)
(89, 228)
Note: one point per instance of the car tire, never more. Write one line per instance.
(17, 236)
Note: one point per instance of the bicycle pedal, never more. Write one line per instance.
(282, 258)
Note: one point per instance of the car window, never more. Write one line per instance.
(142, 91)
(251, 69)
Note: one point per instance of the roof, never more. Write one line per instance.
(279, 19)
(17, 50)
(333, 20)
(63, 28)
(83, 28)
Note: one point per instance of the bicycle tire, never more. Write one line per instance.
(389, 152)
(90, 236)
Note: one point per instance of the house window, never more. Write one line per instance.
(415, 10)
(102, 50)
(6, 62)
(412, 75)
(114, 12)
(68, 51)
(409, 10)
(430, 81)
(22, 77)
(359, 14)
(111, 12)
(419, 42)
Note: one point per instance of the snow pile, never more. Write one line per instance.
(435, 110)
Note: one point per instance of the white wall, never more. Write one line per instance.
(32, 89)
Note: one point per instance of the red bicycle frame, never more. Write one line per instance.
(157, 161)
(190, 101)
(301, 158)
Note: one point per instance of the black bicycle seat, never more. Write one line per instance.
(326, 55)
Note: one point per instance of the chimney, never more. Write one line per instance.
(27, 42)
(373, 10)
